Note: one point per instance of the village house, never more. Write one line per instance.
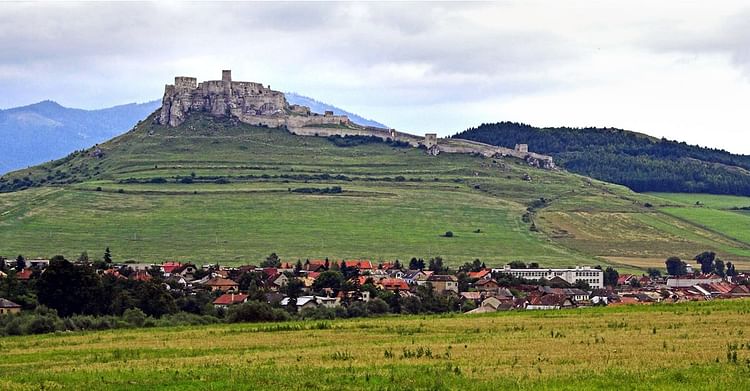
(417, 277)
(221, 284)
(228, 299)
(482, 275)
(394, 284)
(443, 283)
(8, 307)
(691, 280)
(313, 302)
(361, 265)
(592, 276)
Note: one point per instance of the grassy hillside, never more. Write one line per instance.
(672, 347)
(632, 159)
(217, 191)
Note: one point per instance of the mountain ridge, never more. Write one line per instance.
(641, 162)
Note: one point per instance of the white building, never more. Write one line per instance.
(594, 277)
(689, 281)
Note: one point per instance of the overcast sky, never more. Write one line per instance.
(674, 69)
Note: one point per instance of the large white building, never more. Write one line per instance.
(594, 277)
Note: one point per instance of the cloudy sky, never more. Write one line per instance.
(676, 69)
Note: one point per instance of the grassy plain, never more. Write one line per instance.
(395, 203)
(701, 346)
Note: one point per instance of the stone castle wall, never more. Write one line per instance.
(255, 104)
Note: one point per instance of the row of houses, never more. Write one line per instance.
(481, 287)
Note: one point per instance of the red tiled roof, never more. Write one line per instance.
(623, 279)
(479, 274)
(141, 275)
(394, 284)
(230, 298)
(313, 275)
(359, 264)
(24, 274)
(170, 266)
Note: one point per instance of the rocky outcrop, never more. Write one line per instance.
(255, 104)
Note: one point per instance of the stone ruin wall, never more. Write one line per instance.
(255, 104)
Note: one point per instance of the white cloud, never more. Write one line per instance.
(675, 69)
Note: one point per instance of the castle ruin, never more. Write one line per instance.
(255, 104)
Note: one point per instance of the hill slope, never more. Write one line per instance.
(44, 131)
(640, 162)
(215, 190)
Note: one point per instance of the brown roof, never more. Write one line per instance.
(219, 281)
(441, 277)
(5, 303)
(230, 298)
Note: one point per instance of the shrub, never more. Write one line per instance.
(358, 309)
(43, 324)
(448, 234)
(134, 317)
(255, 311)
(377, 306)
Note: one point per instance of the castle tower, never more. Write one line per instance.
(430, 140)
(226, 75)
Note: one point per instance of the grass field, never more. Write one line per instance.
(395, 203)
(701, 346)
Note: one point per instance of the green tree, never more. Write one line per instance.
(154, 300)
(107, 255)
(436, 265)
(706, 260)
(719, 267)
(676, 267)
(416, 264)
(731, 271)
(517, 265)
(272, 260)
(610, 276)
(329, 279)
(653, 272)
(70, 289)
(20, 263)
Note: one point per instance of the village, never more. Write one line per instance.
(350, 288)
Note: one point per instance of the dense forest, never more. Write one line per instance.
(640, 162)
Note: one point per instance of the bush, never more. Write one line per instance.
(358, 309)
(44, 324)
(255, 311)
(134, 317)
(448, 234)
(377, 306)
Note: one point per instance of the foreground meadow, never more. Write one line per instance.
(696, 345)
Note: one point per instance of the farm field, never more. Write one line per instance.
(216, 191)
(697, 345)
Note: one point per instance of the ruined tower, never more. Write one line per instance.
(430, 140)
(226, 75)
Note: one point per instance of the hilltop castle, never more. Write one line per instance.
(255, 104)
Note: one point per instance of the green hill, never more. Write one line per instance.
(214, 190)
(632, 159)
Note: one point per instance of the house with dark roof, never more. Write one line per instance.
(8, 307)
(443, 283)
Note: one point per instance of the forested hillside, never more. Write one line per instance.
(635, 160)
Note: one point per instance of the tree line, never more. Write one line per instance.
(640, 162)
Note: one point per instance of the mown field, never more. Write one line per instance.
(217, 191)
(703, 346)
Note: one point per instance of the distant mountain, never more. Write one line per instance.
(46, 130)
(320, 107)
(632, 159)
